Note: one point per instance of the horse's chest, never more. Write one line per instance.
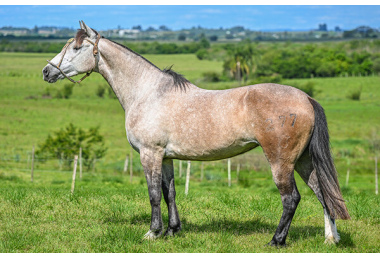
(142, 131)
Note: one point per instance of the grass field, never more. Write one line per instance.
(109, 214)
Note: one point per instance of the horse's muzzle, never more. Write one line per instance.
(49, 74)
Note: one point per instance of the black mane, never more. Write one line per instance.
(178, 79)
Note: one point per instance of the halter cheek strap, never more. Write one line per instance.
(95, 51)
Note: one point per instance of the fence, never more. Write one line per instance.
(242, 170)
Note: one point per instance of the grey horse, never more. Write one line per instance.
(167, 117)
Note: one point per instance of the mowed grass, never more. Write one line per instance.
(109, 214)
(112, 215)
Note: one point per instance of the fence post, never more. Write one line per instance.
(74, 174)
(237, 171)
(93, 167)
(32, 170)
(187, 177)
(229, 171)
(126, 164)
(27, 163)
(80, 163)
(238, 76)
(376, 177)
(348, 172)
(61, 161)
(202, 171)
(180, 169)
(130, 164)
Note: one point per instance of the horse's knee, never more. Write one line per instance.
(291, 201)
(155, 198)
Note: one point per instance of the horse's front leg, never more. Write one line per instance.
(168, 189)
(152, 163)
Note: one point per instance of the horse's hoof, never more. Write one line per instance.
(275, 244)
(170, 232)
(151, 235)
(331, 240)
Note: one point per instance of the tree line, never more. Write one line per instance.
(251, 60)
(140, 47)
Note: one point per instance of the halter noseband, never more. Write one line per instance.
(95, 51)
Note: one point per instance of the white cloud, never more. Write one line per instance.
(211, 11)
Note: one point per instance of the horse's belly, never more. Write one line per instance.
(208, 153)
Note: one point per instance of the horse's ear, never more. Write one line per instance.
(88, 30)
(81, 25)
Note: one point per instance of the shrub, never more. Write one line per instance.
(58, 94)
(46, 93)
(65, 143)
(100, 91)
(202, 54)
(355, 94)
(182, 37)
(211, 76)
(111, 94)
(213, 38)
(308, 88)
(245, 183)
(67, 90)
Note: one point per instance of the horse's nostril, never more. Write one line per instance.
(45, 71)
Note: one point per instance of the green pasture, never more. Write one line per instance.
(107, 213)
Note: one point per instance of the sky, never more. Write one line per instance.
(176, 17)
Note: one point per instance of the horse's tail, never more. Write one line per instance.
(319, 149)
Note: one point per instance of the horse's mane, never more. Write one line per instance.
(179, 81)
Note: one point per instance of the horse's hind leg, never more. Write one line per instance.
(169, 196)
(305, 169)
(283, 176)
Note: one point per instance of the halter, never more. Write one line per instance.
(95, 51)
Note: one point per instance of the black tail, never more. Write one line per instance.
(324, 165)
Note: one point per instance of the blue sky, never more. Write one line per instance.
(185, 16)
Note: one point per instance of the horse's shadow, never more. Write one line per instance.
(237, 227)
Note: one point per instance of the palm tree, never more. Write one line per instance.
(239, 62)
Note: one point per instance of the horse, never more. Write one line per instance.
(167, 117)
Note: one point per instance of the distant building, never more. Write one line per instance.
(128, 31)
(14, 31)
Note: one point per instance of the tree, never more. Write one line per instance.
(213, 38)
(164, 28)
(239, 62)
(204, 42)
(137, 27)
(65, 143)
(182, 37)
(150, 29)
(35, 29)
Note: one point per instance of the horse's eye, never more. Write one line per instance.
(77, 48)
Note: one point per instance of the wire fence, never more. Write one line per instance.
(241, 170)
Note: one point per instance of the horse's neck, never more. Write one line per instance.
(130, 76)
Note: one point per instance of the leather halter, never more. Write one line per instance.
(95, 51)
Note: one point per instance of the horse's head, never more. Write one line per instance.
(76, 57)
